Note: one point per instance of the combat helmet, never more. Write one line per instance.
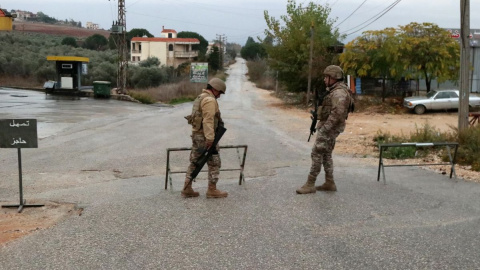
(218, 84)
(333, 71)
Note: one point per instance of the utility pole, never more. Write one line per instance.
(220, 52)
(465, 65)
(120, 29)
(310, 65)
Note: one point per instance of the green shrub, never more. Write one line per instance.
(469, 147)
(145, 77)
(70, 41)
(394, 152)
(45, 73)
(428, 133)
(257, 69)
(424, 134)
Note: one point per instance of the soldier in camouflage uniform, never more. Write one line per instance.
(332, 115)
(205, 119)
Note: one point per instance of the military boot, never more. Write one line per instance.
(188, 190)
(329, 185)
(308, 187)
(213, 192)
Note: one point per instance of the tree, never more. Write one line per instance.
(428, 52)
(253, 51)
(214, 59)
(70, 41)
(150, 62)
(201, 48)
(413, 51)
(289, 48)
(374, 54)
(42, 17)
(250, 40)
(135, 32)
(95, 42)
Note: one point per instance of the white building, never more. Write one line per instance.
(170, 50)
(91, 25)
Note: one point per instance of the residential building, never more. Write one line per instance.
(91, 25)
(170, 50)
(24, 15)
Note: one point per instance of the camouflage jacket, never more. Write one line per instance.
(334, 110)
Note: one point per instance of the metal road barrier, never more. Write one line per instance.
(384, 147)
(241, 179)
(475, 118)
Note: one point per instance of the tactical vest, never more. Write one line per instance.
(196, 117)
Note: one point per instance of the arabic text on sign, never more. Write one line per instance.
(18, 141)
(26, 124)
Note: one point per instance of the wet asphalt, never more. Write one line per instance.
(109, 158)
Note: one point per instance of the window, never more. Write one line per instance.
(169, 35)
(170, 47)
(453, 95)
(442, 95)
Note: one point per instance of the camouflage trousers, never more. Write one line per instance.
(214, 163)
(322, 155)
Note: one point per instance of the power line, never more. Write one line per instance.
(188, 22)
(351, 13)
(374, 18)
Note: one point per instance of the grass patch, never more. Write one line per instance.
(173, 93)
(143, 97)
(181, 100)
(423, 134)
(468, 141)
(469, 147)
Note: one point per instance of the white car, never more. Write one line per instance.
(439, 100)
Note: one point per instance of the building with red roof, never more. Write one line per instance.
(170, 50)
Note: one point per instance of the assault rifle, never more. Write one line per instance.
(206, 154)
(314, 114)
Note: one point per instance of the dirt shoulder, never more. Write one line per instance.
(357, 139)
(14, 225)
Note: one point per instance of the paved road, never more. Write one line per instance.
(109, 157)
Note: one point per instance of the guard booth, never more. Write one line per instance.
(69, 71)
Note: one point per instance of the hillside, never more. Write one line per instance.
(61, 30)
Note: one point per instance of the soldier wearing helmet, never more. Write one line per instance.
(332, 115)
(205, 118)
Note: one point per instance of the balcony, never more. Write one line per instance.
(136, 51)
(178, 54)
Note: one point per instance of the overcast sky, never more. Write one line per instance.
(239, 19)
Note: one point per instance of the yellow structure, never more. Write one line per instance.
(69, 71)
(6, 20)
